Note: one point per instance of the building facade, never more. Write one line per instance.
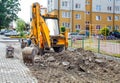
(86, 14)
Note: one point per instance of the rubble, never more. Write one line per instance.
(65, 63)
(76, 66)
(51, 59)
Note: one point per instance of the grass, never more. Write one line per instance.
(18, 36)
(113, 41)
(102, 52)
(88, 45)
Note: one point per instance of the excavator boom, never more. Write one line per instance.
(39, 29)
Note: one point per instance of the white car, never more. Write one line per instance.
(76, 36)
(11, 33)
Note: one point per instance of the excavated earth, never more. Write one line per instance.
(78, 66)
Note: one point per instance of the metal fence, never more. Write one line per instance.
(111, 47)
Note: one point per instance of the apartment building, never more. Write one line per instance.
(86, 14)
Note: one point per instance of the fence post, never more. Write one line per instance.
(98, 45)
(83, 42)
(71, 41)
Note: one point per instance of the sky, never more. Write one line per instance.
(25, 8)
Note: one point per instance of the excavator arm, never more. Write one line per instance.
(40, 32)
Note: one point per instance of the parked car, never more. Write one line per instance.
(70, 34)
(111, 37)
(2, 31)
(7, 31)
(76, 36)
(11, 33)
(116, 34)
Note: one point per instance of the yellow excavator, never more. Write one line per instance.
(44, 35)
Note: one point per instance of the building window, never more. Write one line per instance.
(65, 24)
(116, 27)
(117, 0)
(116, 18)
(109, 18)
(77, 5)
(98, 27)
(98, 17)
(98, 7)
(87, 12)
(64, 3)
(77, 27)
(78, 16)
(48, 2)
(109, 27)
(87, 22)
(87, 2)
(109, 8)
(66, 14)
(109, 0)
(63, 14)
(117, 8)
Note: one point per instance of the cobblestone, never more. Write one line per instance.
(12, 70)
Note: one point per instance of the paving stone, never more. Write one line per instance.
(13, 70)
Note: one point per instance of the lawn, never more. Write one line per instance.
(113, 41)
(90, 44)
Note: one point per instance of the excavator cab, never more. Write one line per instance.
(52, 24)
(58, 40)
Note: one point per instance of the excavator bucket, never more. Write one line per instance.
(28, 54)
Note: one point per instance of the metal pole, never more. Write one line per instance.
(98, 45)
(59, 11)
(113, 15)
(83, 42)
(71, 41)
(71, 19)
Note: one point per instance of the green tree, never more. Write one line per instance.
(8, 11)
(21, 25)
(104, 31)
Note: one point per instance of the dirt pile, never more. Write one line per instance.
(78, 66)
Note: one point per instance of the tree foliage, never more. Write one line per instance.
(104, 31)
(20, 25)
(8, 11)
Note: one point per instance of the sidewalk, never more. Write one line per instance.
(12, 70)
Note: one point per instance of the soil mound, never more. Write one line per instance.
(78, 66)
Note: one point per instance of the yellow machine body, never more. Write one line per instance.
(41, 33)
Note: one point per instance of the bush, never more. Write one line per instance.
(116, 31)
(104, 31)
(62, 29)
(77, 31)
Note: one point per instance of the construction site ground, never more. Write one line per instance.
(70, 66)
(76, 66)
